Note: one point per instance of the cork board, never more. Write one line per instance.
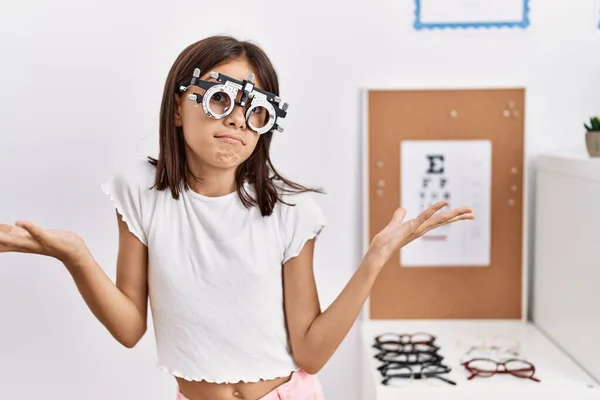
(448, 292)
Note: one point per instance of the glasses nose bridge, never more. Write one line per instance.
(237, 106)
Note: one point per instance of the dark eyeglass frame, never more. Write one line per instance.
(501, 368)
(405, 338)
(442, 369)
(406, 348)
(416, 358)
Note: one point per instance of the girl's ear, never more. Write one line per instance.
(178, 119)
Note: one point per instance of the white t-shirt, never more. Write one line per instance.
(215, 275)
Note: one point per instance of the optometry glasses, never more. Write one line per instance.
(218, 99)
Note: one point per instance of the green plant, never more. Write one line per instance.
(594, 124)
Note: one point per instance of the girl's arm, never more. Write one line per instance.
(121, 308)
(315, 335)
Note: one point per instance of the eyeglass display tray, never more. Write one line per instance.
(560, 377)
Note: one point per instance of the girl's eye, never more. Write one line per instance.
(218, 97)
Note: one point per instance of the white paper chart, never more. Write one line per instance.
(470, 11)
(460, 172)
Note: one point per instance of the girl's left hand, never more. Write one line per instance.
(398, 233)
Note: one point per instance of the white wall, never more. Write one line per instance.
(81, 85)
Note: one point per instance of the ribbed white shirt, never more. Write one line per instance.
(215, 275)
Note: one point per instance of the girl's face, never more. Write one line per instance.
(221, 143)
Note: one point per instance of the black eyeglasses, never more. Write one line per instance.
(485, 367)
(405, 338)
(402, 374)
(406, 348)
(405, 357)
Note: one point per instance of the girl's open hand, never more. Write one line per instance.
(398, 233)
(26, 237)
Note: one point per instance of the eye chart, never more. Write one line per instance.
(458, 171)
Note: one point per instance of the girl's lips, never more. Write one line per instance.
(230, 138)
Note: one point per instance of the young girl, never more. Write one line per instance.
(220, 243)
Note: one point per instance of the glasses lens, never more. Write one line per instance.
(423, 358)
(390, 367)
(258, 117)
(424, 348)
(482, 367)
(391, 347)
(387, 337)
(400, 376)
(219, 102)
(398, 357)
(520, 368)
(422, 337)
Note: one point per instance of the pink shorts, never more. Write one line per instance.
(301, 386)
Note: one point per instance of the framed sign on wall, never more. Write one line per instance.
(441, 14)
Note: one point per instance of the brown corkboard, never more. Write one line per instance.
(457, 292)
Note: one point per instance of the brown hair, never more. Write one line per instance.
(171, 166)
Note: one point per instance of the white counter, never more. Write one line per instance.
(561, 377)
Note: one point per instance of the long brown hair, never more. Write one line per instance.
(171, 166)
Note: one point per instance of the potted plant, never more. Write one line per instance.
(592, 137)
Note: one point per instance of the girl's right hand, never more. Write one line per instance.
(398, 233)
(26, 237)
